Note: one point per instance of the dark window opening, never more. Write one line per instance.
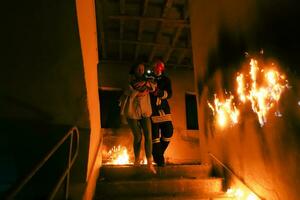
(109, 108)
(191, 112)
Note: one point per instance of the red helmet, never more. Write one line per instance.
(159, 66)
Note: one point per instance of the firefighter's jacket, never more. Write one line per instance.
(159, 100)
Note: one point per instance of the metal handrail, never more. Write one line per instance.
(234, 174)
(18, 186)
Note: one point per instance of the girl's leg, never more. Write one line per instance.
(146, 125)
(137, 139)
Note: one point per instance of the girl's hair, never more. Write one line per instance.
(134, 66)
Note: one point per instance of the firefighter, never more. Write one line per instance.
(162, 127)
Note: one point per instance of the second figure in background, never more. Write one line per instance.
(162, 127)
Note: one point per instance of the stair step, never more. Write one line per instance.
(213, 196)
(126, 172)
(158, 187)
(178, 182)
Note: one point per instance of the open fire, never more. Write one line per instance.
(238, 193)
(118, 155)
(225, 110)
(262, 86)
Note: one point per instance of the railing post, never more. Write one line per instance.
(17, 187)
(69, 166)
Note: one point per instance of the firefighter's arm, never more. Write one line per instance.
(167, 92)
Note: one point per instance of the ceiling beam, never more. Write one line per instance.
(122, 11)
(121, 38)
(181, 57)
(104, 54)
(148, 44)
(185, 10)
(140, 29)
(175, 65)
(122, 7)
(171, 22)
(173, 43)
(167, 6)
(185, 15)
(99, 5)
(184, 52)
(145, 7)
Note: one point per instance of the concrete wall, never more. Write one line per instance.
(42, 72)
(116, 76)
(86, 14)
(88, 36)
(47, 84)
(265, 158)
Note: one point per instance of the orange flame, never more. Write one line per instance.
(241, 87)
(238, 193)
(225, 111)
(264, 96)
(118, 156)
(262, 88)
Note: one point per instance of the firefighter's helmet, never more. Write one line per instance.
(159, 66)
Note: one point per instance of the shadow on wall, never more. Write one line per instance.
(14, 108)
(24, 143)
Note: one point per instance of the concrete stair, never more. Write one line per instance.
(179, 182)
